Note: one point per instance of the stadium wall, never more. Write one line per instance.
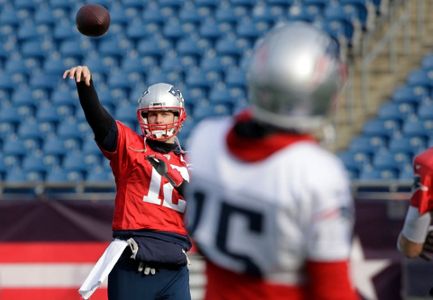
(47, 248)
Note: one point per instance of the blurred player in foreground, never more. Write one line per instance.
(269, 208)
(150, 173)
(414, 239)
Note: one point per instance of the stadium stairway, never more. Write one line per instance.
(381, 63)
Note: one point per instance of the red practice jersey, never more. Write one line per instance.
(423, 170)
(144, 198)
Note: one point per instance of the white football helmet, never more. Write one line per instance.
(161, 97)
(294, 76)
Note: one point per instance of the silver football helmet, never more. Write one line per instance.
(161, 97)
(294, 76)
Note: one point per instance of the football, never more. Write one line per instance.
(92, 20)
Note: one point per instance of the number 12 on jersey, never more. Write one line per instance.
(167, 192)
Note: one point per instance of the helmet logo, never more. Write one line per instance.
(320, 70)
(262, 57)
(175, 92)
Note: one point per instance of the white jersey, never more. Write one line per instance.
(269, 217)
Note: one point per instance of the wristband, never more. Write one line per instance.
(416, 226)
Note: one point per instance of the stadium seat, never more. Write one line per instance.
(225, 13)
(319, 4)
(402, 145)
(34, 162)
(189, 47)
(54, 146)
(210, 30)
(62, 4)
(10, 115)
(407, 94)
(134, 30)
(64, 30)
(221, 94)
(197, 78)
(16, 175)
(118, 14)
(336, 14)
(69, 129)
(202, 111)
(6, 129)
(25, 110)
(74, 161)
(29, 129)
(386, 160)
(56, 175)
(72, 48)
(383, 128)
(406, 173)
(44, 16)
(44, 81)
(17, 65)
(126, 113)
(247, 28)
(27, 31)
(6, 82)
(137, 4)
(55, 65)
(150, 47)
(3, 167)
(9, 16)
(373, 174)
(173, 30)
(115, 48)
(65, 96)
(427, 62)
(300, 12)
(396, 111)
(118, 80)
(235, 77)
(415, 128)
(23, 96)
(363, 9)
(47, 113)
(14, 146)
(368, 144)
(90, 147)
(153, 15)
(207, 3)
(96, 63)
(228, 46)
(212, 62)
(98, 174)
(421, 78)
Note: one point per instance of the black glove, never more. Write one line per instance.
(161, 165)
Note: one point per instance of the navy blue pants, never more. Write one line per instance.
(125, 282)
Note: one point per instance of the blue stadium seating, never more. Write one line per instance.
(202, 46)
(16, 175)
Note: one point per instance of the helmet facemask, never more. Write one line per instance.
(161, 97)
(160, 132)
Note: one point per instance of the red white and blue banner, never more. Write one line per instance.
(47, 248)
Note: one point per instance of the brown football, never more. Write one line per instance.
(92, 20)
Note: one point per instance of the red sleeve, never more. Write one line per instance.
(422, 197)
(330, 280)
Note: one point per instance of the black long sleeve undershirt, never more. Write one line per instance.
(102, 123)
